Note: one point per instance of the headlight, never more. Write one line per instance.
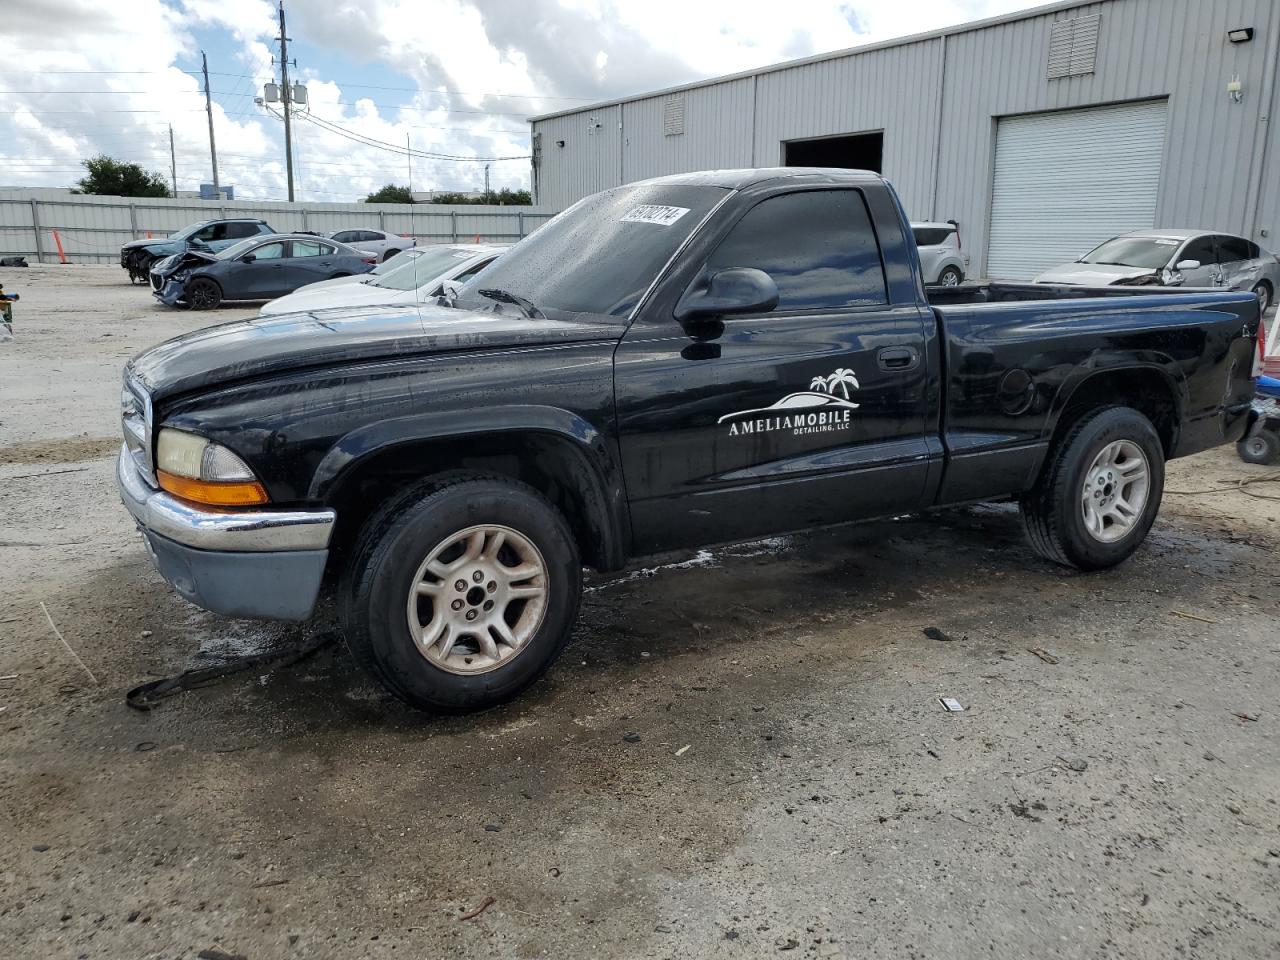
(196, 469)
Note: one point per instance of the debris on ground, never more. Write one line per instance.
(631, 737)
(1191, 616)
(934, 633)
(1077, 765)
(1043, 654)
(212, 953)
(485, 904)
(951, 705)
(1251, 717)
(681, 752)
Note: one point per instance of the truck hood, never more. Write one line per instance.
(155, 245)
(266, 346)
(1092, 274)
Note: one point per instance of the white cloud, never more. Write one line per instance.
(467, 59)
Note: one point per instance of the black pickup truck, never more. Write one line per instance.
(685, 361)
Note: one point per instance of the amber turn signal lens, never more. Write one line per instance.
(213, 494)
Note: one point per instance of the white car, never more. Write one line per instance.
(1192, 258)
(415, 280)
(381, 244)
(386, 266)
(941, 259)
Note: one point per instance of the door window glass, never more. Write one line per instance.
(1199, 249)
(1232, 249)
(818, 246)
(346, 236)
(311, 248)
(238, 231)
(268, 251)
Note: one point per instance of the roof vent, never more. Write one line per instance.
(1073, 46)
(673, 116)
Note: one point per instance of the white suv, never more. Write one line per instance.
(941, 260)
(381, 244)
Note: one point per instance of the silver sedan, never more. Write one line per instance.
(1192, 258)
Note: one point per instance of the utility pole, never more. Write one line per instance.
(208, 106)
(408, 152)
(173, 162)
(486, 178)
(286, 98)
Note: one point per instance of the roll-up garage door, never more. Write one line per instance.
(1064, 182)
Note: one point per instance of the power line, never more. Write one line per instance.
(396, 148)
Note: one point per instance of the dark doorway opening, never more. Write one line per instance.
(860, 151)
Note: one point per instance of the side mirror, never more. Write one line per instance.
(1187, 264)
(451, 289)
(248, 258)
(733, 290)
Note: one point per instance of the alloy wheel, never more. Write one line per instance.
(477, 599)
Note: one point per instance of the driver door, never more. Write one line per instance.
(808, 414)
(259, 278)
(1208, 274)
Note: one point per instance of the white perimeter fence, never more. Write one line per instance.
(92, 229)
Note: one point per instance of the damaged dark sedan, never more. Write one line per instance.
(261, 268)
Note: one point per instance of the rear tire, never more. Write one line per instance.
(203, 294)
(440, 647)
(950, 277)
(1099, 493)
(1261, 448)
(389, 254)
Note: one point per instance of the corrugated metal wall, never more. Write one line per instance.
(92, 229)
(943, 132)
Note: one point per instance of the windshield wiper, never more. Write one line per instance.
(506, 296)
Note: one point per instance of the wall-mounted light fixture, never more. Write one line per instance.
(1240, 34)
(1235, 89)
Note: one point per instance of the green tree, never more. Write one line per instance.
(108, 177)
(503, 197)
(390, 194)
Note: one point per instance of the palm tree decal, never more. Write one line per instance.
(841, 380)
(819, 384)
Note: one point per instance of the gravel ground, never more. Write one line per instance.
(742, 753)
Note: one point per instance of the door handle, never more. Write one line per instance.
(897, 358)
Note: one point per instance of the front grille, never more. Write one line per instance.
(135, 421)
(156, 282)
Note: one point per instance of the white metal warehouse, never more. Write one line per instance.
(1041, 133)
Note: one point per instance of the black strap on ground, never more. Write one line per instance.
(147, 695)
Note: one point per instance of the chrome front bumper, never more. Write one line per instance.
(256, 563)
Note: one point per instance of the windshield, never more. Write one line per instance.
(396, 262)
(1147, 253)
(236, 249)
(422, 269)
(186, 232)
(600, 255)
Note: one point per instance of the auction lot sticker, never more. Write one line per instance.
(654, 213)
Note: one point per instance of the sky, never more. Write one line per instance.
(457, 78)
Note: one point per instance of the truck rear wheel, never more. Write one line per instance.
(461, 593)
(1099, 493)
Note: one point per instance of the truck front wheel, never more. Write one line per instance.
(1099, 493)
(461, 593)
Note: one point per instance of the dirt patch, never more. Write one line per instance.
(63, 450)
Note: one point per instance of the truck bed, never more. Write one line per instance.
(1000, 291)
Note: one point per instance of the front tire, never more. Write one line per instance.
(1099, 493)
(950, 277)
(1261, 448)
(461, 593)
(203, 294)
(1263, 292)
